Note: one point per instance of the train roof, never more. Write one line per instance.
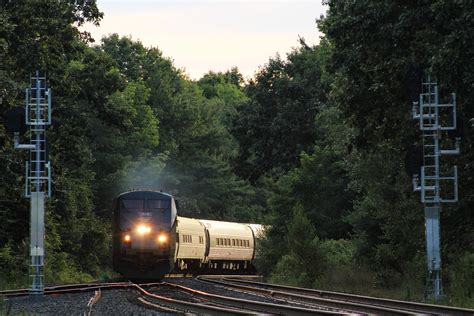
(225, 228)
(141, 193)
(257, 229)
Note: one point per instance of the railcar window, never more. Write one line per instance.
(159, 204)
(201, 239)
(132, 205)
(233, 242)
(187, 238)
(247, 243)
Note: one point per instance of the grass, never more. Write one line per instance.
(362, 281)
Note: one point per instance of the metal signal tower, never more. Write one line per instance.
(38, 171)
(428, 112)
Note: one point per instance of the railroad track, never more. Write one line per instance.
(68, 288)
(71, 288)
(349, 302)
(233, 305)
(170, 297)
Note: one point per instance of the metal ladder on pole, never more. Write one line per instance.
(427, 112)
(38, 173)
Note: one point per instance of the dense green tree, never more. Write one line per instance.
(303, 261)
(277, 123)
(211, 82)
(135, 62)
(380, 51)
(320, 183)
(40, 35)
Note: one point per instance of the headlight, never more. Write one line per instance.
(162, 238)
(143, 229)
(127, 238)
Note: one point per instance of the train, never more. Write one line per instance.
(150, 239)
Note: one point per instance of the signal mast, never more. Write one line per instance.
(427, 112)
(38, 170)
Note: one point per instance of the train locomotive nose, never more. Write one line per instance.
(142, 245)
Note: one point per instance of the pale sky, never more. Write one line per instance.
(203, 35)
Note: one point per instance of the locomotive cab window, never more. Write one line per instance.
(132, 205)
(159, 204)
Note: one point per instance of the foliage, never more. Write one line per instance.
(125, 118)
(277, 123)
(354, 181)
(461, 280)
(380, 52)
(304, 261)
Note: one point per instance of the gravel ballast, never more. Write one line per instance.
(112, 302)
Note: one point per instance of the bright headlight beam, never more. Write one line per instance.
(142, 229)
(162, 238)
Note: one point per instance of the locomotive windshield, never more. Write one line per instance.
(131, 205)
(159, 204)
(156, 209)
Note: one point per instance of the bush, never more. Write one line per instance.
(460, 277)
(338, 252)
(13, 267)
(304, 262)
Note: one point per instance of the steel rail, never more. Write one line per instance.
(255, 305)
(96, 284)
(328, 303)
(171, 303)
(71, 288)
(217, 276)
(376, 301)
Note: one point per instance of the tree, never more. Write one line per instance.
(304, 262)
(277, 123)
(381, 50)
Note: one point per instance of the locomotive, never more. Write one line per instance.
(150, 239)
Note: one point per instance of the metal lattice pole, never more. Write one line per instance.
(38, 172)
(427, 112)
